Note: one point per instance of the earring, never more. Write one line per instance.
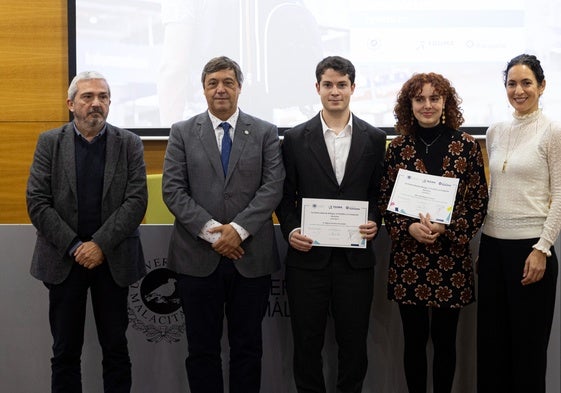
(443, 118)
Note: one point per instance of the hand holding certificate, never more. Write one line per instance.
(334, 223)
(414, 193)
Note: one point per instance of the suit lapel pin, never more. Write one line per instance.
(246, 132)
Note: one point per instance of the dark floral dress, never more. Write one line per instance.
(439, 274)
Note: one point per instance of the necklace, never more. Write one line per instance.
(514, 145)
(508, 151)
(427, 145)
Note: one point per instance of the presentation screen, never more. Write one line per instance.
(153, 51)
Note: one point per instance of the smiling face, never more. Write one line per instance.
(427, 106)
(222, 91)
(523, 90)
(90, 106)
(335, 91)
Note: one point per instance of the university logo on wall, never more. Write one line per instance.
(154, 305)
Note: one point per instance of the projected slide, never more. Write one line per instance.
(153, 51)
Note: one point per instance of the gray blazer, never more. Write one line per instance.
(196, 190)
(52, 205)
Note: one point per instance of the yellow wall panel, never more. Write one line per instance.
(34, 78)
(154, 152)
(34, 66)
(16, 154)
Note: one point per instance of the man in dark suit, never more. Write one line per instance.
(223, 176)
(86, 195)
(335, 155)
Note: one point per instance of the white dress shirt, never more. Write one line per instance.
(338, 146)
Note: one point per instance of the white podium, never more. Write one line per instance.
(157, 339)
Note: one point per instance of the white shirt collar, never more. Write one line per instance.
(232, 120)
(348, 129)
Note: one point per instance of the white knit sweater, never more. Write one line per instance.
(525, 192)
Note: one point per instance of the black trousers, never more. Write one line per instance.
(67, 314)
(513, 321)
(348, 293)
(441, 324)
(205, 300)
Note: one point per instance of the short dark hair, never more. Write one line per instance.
(338, 64)
(222, 63)
(530, 61)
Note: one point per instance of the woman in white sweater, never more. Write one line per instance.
(517, 262)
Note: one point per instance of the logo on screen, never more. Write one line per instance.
(154, 305)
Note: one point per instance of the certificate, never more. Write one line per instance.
(334, 222)
(415, 193)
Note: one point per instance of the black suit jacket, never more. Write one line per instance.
(309, 174)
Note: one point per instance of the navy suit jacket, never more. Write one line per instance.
(52, 205)
(309, 174)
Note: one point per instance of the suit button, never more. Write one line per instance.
(226, 196)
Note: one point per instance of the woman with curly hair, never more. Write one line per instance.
(430, 273)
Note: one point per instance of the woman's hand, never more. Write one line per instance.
(422, 233)
(426, 231)
(435, 227)
(534, 268)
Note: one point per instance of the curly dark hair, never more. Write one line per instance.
(405, 120)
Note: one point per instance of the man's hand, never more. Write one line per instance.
(89, 255)
(300, 242)
(368, 230)
(229, 243)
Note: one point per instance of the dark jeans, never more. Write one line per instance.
(205, 300)
(513, 321)
(67, 314)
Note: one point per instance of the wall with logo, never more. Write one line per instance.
(156, 332)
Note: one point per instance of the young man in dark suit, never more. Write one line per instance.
(86, 195)
(335, 155)
(223, 176)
